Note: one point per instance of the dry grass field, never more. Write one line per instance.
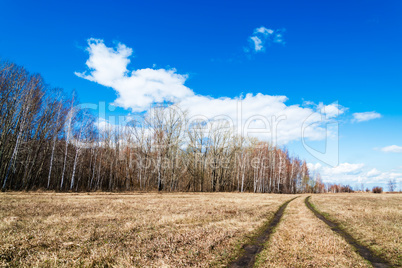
(373, 219)
(142, 229)
(302, 240)
(191, 229)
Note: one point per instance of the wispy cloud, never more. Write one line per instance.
(263, 37)
(366, 116)
(392, 149)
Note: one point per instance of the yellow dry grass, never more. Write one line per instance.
(302, 240)
(141, 229)
(373, 219)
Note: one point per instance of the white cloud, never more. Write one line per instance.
(263, 31)
(138, 89)
(392, 149)
(257, 43)
(263, 37)
(314, 167)
(288, 120)
(278, 38)
(352, 174)
(344, 168)
(384, 177)
(344, 173)
(366, 116)
(373, 173)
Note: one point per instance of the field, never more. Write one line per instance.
(373, 219)
(129, 230)
(192, 229)
(302, 240)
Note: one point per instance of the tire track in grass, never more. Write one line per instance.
(363, 251)
(247, 259)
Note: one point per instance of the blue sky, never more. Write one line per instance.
(348, 52)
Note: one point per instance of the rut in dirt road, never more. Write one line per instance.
(363, 251)
(257, 245)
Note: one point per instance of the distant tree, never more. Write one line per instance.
(391, 185)
(377, 190)
(347, 189)
(319, 187)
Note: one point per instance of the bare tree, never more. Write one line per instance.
(391, 185)
(157, 151)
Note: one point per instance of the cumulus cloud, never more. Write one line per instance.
(392, 149)
(268, 117)
(342, 169)
(345, 168)
(263, 37)
(384, 177)
(366, 116)
(348, 173)
(136, 89)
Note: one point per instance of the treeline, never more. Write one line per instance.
(48, 142)
(339, 188)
